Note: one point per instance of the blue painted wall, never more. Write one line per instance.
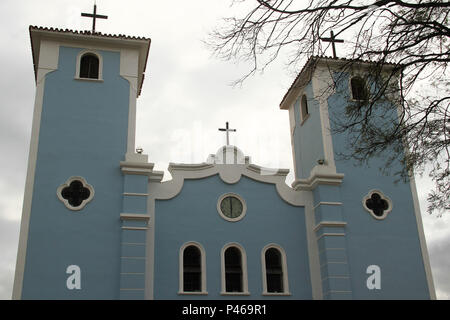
(393, 243)
(83, 133)
(307, 137)
(192, 216)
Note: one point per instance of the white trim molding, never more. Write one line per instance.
(327, 203)
(383, 197)
(419, 223)
(335, 224)
(67, 184)
(229, 173)
(422, 239)
(321, 79)
(284, 271)
(203, 290)
(134, 216)
(330, 234)
(138, 168)
(47, 63)
(244, 291)
(231, 194)
(320, 174)
(129, 62)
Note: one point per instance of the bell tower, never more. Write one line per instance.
(83, 126)
(368, 227)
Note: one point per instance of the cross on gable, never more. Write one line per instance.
(94, 16)
(333, 40)
(227, 130)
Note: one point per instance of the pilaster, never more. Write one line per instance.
(330, 231)
(331, 240)
(135, 224)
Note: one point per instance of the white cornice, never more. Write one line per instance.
(134, 216)
(229, 173)
(141, 168)
(320, 174)
(188, 167)
(334, 224)
(268, 171)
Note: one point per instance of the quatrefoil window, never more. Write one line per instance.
(377, 204)
(75, 193)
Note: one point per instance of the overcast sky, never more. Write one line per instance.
(186, 97)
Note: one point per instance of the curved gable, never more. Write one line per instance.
(228, 173)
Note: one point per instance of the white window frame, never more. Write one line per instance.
(245, 291)
(203, 269)
(100, 65)
(67, 184)
(284, 269)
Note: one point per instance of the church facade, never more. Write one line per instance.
(99, 222)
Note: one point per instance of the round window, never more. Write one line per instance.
(231, 207)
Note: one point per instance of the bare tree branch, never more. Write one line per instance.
(412, 37)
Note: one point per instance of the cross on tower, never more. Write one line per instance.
(94, 16)
(227, 130)
(333, 40)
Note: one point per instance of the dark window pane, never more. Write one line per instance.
(377, 204)
(192, 270)
(359, 91)
(304, 107)
(274, 271)
(89, 66)
(192, 281)
(231, 207)
(233, 282)
(233, 270)
(75, 193)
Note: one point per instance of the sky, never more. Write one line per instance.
(186, 96)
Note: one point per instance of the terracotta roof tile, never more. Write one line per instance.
(314, 59)
(86, 32)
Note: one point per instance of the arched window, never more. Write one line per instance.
(304, 108)
(234, 270)
(358, 89)
(89, 66)
(274, 271)
(192, 269)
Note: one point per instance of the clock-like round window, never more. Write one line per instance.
(231, 207)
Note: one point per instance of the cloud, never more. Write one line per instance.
(9, 237)
(440, 265)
